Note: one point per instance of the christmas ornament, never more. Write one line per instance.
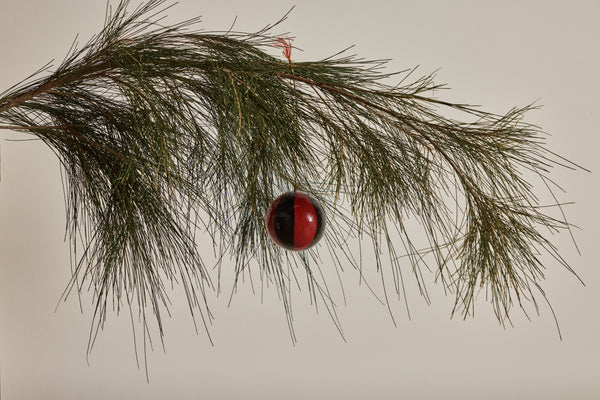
(295, 221)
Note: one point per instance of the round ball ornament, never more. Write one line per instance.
(295, 221)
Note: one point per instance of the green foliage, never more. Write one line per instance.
(163, 132)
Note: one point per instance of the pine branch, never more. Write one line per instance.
(162, 131)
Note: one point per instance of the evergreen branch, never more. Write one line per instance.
(162, 131)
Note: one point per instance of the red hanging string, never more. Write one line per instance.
(286, 45)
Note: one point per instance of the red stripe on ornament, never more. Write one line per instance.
(305, 221)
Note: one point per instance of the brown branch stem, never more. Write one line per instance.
(83, 72)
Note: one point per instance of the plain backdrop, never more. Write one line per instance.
(497, 54)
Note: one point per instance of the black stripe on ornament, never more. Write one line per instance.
(284, 221)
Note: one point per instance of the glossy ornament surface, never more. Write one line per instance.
(295, 221)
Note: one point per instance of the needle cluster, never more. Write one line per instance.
(165, 133)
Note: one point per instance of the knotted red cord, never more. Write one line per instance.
(286, 45)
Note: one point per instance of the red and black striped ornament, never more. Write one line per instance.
(295, 221)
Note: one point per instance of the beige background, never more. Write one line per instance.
(498, 54)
